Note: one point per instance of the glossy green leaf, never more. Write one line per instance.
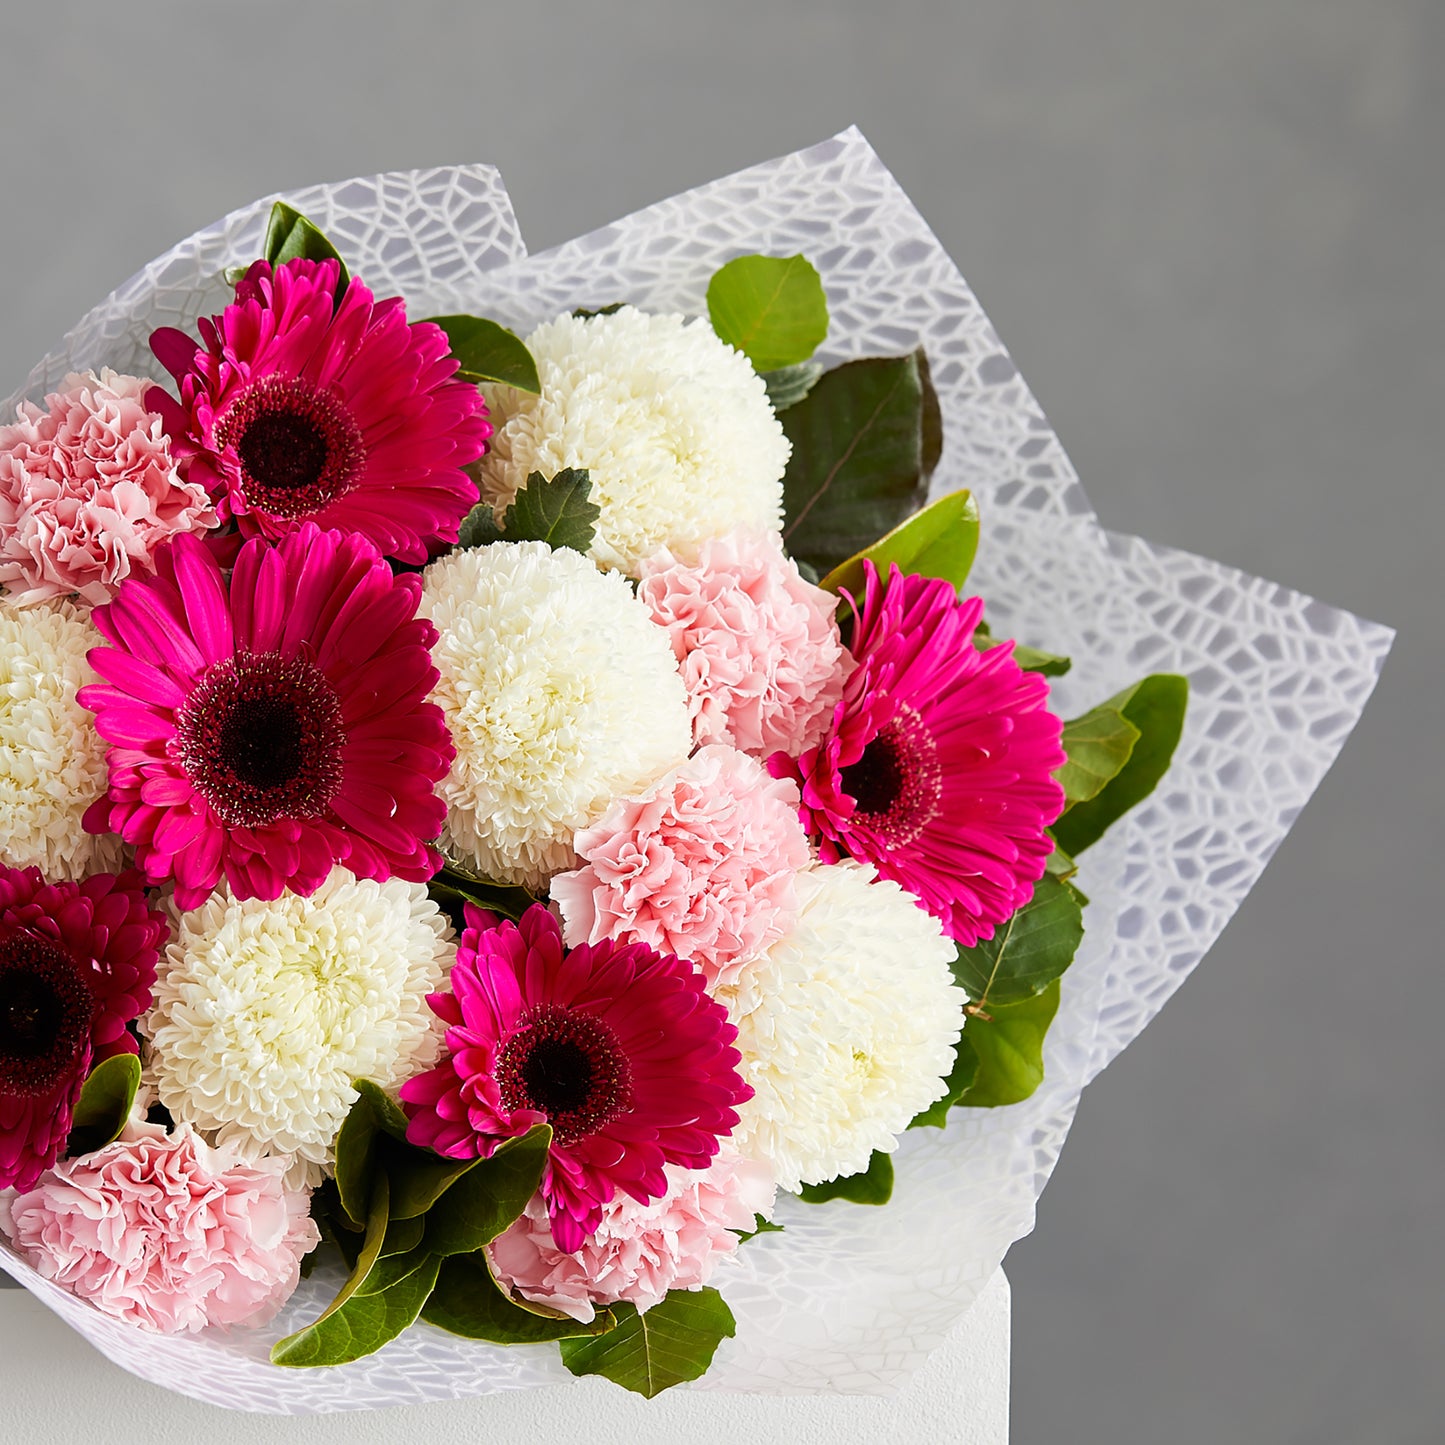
(1026, 953)
(859, 465)
(468, 1301)
(373, 1113)
(772, 308)
(456, 885)
(419, 1178)
(1050, 664)
(1155, 706)
(104, 1105)
(960, 1079)
(485, 1199)
(648, 1353)
(1098, 745)
(788, 385)
(402, 1236)
(940, 541)
(873, 1186)
(487, 352)
(556, 510)
(1010, 1048)
(290, 237)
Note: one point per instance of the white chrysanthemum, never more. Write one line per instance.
(846, 1026)
(673, 425)
(561, 694)
(52, 760)
(264, 1012)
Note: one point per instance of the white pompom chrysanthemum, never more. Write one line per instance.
(561, 695)
(265, 1012)
(52, 760)
(846, 1026)
(673, 425)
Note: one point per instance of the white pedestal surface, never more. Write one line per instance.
(55, 1388)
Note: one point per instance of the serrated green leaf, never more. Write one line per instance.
(481, 1202)
(487, 351)
(772, 308)
(291, 237)
(554, 510)
(468, 1301)
(1010, 1048)
(479, 528)
(873, 1186)
(1097, 746)
(788, 385)
(859, 464)
(940, 541)
(1027, 952)
(649, 1353)
(1155, 706)
(104, 1104)
(960, 1079)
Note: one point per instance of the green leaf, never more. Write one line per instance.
(455, 885)
(383, 1295)
(940, 541)
(1097, 745)
(1155, 706)
(402, 1236)
(373, 1113)
(1010, 1048)
(582, 313)
(104, 1104)
(788, 385)
(772, 308)
(486, 1198)
(468, 1301)
(419, 1178)
(1027, 953)
(959, 1081)
(555, 511)
(1061, 866)
(1048, 663)
(479, 528)
(859, 462)
(760, 1226)
(873, 1186)
(487, 351)
(648, 1353)
(291, 237)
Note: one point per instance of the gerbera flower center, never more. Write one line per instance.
(299, 448)
(45, 1013)
(568, 1065)
(261, 739)
(898, 782)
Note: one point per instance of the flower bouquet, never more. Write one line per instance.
(525, 852)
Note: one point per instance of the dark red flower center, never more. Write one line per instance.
(45, 1011)
(568, 1065)
(298, 448)
(898, 783)
(261, 739)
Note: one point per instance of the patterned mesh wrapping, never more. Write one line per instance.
(845, 1299)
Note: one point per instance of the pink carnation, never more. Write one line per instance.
(640, 1251)
(164, 1232)
(88, 491)
(701, 866)
(758, 646)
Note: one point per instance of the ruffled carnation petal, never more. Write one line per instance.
(88, 491)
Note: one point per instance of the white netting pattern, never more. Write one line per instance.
(845, 1299)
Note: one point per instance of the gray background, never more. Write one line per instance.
(1212, 237)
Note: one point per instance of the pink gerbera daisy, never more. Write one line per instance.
(618, 1048)
(77, 962)
(300, 406)
(938, 767)
(271, 724)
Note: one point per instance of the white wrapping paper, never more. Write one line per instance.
(848, 1298)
